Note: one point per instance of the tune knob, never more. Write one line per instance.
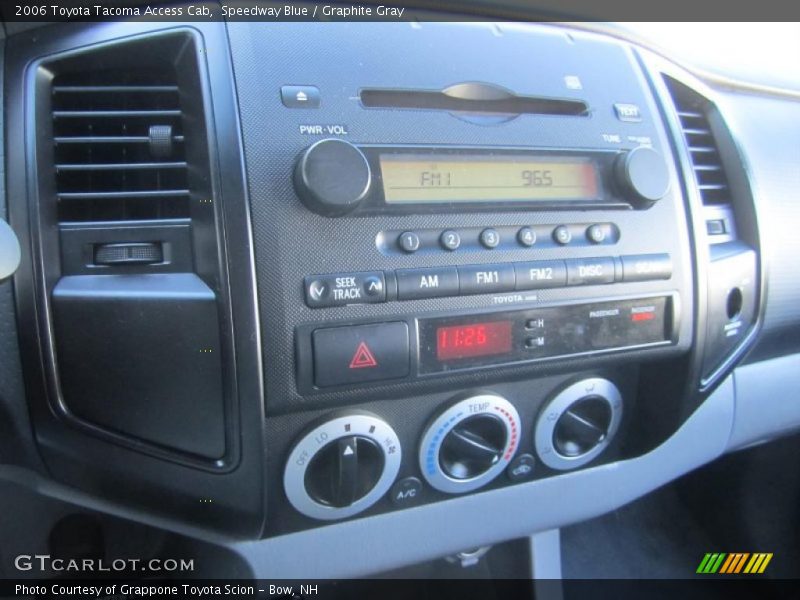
(643, 174)
(578, 424)
(342, 466)
(332, 177)
(469, 443)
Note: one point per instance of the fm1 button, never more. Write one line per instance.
(406, 492)
(483, 279)
(521, 468)
(344, 355)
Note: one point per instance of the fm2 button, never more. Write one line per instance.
(359, 354)
(341, 289)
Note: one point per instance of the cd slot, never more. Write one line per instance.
(479, 99)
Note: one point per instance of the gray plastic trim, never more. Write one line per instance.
(9, 251)
(382, 542)
(767, 400)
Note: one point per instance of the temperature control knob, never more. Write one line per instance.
(470, 443)
(578, 424)
(332, 177)
(642, 173)
(342, 466)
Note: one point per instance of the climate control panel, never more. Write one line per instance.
(348, 462)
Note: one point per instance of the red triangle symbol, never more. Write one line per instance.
(363, 358)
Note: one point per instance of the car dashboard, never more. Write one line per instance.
(342, 297)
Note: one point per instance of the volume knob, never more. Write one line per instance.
(643, 174)
(332, 177)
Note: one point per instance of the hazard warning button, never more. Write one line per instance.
(361, 353)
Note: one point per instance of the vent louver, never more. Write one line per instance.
(693, 112)
(119, 146)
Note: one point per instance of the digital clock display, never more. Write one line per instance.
(475, 339)
(442, 178)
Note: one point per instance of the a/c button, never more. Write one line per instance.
(344, 355)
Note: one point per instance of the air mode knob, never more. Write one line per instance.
(578, 424)
(342, 466)
(643, 174)
(332, 177)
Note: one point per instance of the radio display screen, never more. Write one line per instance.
(446, 178)
(474, 339)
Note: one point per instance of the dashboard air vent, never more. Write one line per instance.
(693, 112)
(119, 145)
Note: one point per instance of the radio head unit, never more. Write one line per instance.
(334, 178)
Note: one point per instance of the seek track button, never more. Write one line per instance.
(340, 289)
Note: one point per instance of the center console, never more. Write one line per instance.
(463, 259)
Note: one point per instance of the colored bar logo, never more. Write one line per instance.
(734, 563)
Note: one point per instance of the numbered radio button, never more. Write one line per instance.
(490, 238)
(450, 240)
(596, 233)
(526, 237)
(540, 274)
(408, 242)
(562, 235)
